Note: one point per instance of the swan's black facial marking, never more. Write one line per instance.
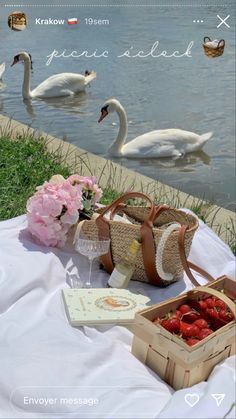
(31, 61)
(105, 109)
(16, 59)
(104, 113)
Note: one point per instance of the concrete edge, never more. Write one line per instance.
(122, 179)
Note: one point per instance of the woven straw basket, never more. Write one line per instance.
(122, 234)
(213, 52)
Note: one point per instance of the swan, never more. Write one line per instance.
(2, 69)
(154, 144)
(63, 84)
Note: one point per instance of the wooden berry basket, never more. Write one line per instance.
(170, 357)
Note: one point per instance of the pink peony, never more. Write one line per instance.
(55, 207)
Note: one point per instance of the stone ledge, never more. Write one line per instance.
(122, 179)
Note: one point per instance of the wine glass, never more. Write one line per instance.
(92, 247)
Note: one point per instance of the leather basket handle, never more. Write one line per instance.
(221, 43)
(118, 204)
(187, 264)
(147, 239)
(104, 227)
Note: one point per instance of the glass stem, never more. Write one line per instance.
(90, 272)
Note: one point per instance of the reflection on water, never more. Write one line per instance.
(186, 163)
(180, 163)
(2, 85)
(71, 104)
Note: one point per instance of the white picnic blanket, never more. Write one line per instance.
(50, 370)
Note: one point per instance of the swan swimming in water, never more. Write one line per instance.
(2, 69)
(63, 84)
(154, 144)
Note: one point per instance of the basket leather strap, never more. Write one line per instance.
(116, 205)
(104, 227)
(219, 43)
(187, 264)
(147, 239)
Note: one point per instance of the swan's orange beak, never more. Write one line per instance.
(103, 115)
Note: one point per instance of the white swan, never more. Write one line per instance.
(2, 69)
(64, 84)
(153, 144)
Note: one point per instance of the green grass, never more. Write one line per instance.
(26, 163)
(109, 195)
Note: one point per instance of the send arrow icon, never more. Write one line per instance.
(218, 398)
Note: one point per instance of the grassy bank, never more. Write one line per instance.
(25, 163)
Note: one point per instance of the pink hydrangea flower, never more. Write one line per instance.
(55, 207)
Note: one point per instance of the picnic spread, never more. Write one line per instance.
(49, 368)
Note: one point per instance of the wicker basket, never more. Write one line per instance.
(122, 234)
(212, 52)
(17, 21)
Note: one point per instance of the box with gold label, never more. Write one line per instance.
(96, 306)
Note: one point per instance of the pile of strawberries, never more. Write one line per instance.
(196, 319)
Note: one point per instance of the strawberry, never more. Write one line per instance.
(204, 333)
(188, 330)
(201, 323)
(212, 313)
(178, 314)
(192, 341)
(210, 302)
(226, 315)
(172, 324)
(190, 317)
(217, 324)
(184, 308)
(198, 305)
(219, 304)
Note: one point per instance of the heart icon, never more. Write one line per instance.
(191, 399)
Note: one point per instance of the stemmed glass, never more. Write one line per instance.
(92, 247)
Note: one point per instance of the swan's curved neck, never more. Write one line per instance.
(116, 147)
(26, 83)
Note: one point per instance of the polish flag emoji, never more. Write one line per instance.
(72, 21)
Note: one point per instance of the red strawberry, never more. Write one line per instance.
(188, 330)
(178, 314)
(198, 305)
(172, 325)
(220, 304)
(226, 315)
(210, 302)
(190, 317)
(192, 341)
(212, 313)
(184, 308)
(204, 333)
(201, 323)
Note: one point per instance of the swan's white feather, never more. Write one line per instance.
(63, 84)
(159, 143)
(163, 143)
(2, 69)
